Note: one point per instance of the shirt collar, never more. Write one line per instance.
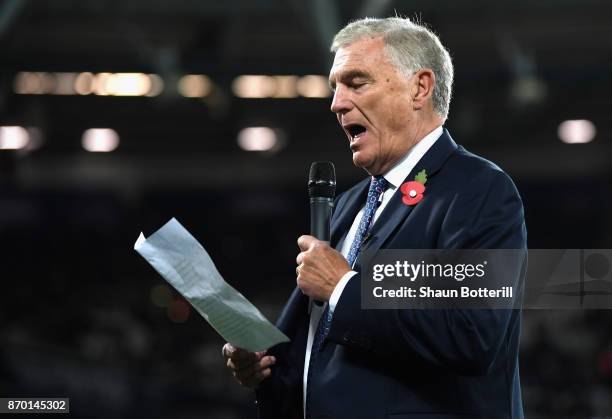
(398, 173)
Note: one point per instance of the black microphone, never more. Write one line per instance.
(321, 190)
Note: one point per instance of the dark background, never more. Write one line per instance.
(83, 316)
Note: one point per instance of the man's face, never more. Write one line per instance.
(373, 103)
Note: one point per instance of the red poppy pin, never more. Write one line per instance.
(413, 190)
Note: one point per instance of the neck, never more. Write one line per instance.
(422, 128)
(426, 126)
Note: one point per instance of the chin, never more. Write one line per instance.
(362, 162)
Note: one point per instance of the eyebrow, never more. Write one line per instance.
(348, 75)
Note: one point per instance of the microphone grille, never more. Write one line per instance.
(322, 179)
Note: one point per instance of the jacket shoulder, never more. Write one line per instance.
(465, 168)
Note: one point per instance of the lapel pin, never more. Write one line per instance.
(413, 190)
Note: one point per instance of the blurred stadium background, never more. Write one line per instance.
(117, 115)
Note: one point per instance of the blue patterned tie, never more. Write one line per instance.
(378, 186)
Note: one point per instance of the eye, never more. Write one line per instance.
(358, 84)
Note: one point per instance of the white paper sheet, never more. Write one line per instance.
(186, 265)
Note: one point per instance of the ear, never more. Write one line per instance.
(424, 81)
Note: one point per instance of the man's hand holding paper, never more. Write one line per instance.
(249, 368)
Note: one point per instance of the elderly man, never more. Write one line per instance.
(392, 83)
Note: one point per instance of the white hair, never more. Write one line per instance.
(410, 47)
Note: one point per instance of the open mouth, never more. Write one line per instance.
(355, 130)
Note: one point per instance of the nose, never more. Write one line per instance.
(341, 102)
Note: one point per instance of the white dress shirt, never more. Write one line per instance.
(395, 176)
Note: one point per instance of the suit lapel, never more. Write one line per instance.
(396, 211)
(347, 211)
(291, 316)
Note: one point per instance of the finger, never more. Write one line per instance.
(261, 370)
(231, 351)
(305, 242)
(242, 354)
(300, 258)
(304, 287)
(227, 350)
(232, 365)
(242, 361)
(240, 365)
(253, 370)
(267, 361)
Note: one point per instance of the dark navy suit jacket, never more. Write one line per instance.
(402, 364)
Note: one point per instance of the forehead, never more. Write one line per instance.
(364, 54)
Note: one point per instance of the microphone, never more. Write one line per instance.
(321, 190)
